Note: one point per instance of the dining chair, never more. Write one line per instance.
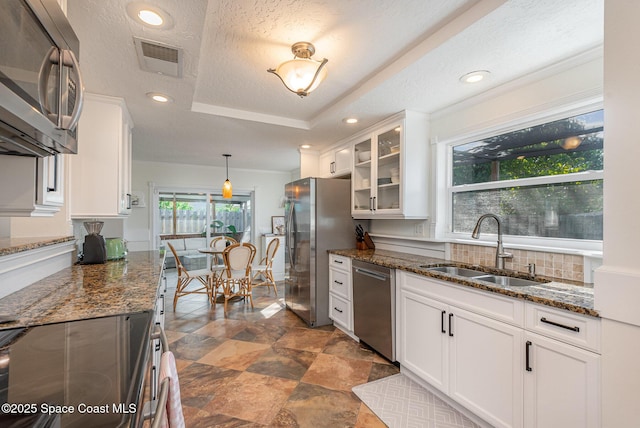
(185, 277)
(236, 278)
(218, 244)
(265, 267)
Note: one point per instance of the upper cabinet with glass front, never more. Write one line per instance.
(390, 174)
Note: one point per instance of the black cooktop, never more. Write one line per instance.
(85, 373)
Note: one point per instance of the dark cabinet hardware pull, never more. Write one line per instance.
(442, 322)
(450, 329)
(544, 320)
(337, 309)
(337, 282)
(338, 261)
(374, 203)
(128, 201)
(527, 363)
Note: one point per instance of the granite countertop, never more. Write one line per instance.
(17, 245)
(573, 297)
(87, 291)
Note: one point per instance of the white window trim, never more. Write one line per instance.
(446, 189)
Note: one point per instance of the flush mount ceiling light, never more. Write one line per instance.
(350, 120)
(302, 74)
(475, 76)
(160, 98)
(305, 146)
(227, 189)
(149, 15)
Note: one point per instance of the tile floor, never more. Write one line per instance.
(265, 367)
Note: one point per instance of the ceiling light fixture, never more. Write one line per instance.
(149, 15)
(227, 189)
(475, 76)
(350, 120)
(159, 98)
(302, 74)
(305, 146)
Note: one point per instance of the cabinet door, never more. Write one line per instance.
(388, 169)
(362, 179)
(562, 386)
(124, 176)
(51, 176)
(423, 346)
(486, 373)
(342, 163)
(326, 165)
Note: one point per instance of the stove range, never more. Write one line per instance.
(86, 373)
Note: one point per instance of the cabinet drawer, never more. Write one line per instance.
(340, 283)
(501, 308)
(568, 327)
(339, 262)
(340, 311)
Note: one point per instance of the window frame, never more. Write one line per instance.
(583, 246)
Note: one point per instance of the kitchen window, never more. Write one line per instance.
(203, 214)
(544, 181)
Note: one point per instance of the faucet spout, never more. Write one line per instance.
(500, 254)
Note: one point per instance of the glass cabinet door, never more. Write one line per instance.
(361, 178)
(387, 196)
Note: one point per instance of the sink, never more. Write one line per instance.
(506, 280)
(482, 276)
(454, 270)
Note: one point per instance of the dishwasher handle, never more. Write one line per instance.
(376, 275)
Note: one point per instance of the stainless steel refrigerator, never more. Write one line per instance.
(317, 219)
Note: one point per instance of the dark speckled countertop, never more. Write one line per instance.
(17, 245)
(572, 297)
(87, 291)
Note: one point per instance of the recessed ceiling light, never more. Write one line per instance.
(305, 146)
(160, 98)
(149, 15)
(350, 120)
(475, 76)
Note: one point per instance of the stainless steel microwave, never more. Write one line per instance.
(41, 88)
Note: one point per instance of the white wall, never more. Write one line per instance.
(267, 185)
(617, 285)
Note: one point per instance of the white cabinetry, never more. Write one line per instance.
(336, 162)
(341, 293)
(562, 381)
(390, 170)
(510, 363)
(36, 185)
(470, 357)
(156, 352)
(101, 171)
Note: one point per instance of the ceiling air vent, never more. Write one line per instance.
(159, 58)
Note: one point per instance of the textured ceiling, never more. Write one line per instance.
(384, 56)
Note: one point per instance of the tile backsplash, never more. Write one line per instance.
(551, 265)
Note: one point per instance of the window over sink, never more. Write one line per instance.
(544, 180)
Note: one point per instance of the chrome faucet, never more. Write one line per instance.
(500, 254)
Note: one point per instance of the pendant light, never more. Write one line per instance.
(227, 189)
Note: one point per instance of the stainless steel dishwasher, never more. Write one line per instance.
(374, 307)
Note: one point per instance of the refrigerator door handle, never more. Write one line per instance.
(290, 242)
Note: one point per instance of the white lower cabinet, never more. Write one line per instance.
(341, 293)
(510, 374)
(485, 373)
(562, 385)
(472, 358)
(423, 341)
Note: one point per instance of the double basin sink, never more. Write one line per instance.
(482, 276)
